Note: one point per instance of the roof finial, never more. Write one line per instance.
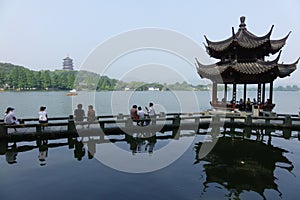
(242, 19)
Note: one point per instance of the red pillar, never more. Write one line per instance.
(271, 92)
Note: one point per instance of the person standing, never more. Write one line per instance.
(91, 116)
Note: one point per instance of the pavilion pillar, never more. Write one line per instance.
(263, 93)
(225, 92)
(259, 94)
(214, 93)
(234, 94)
(245, 92)
(271, 92)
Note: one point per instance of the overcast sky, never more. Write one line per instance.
(39, 34)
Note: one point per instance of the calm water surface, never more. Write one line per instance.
(236, 168)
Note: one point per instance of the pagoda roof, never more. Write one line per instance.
(245, 72)
(246, 40)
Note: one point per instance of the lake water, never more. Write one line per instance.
(236, 168)
(58, 104)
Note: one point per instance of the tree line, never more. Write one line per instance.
(13, 77)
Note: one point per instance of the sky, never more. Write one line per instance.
(39, 34)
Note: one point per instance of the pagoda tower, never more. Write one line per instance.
(242, 61)
(68, 63)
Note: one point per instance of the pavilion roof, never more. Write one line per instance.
(250, 71)
(244, 39)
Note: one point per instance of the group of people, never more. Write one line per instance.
(11, 119)
(79, 114)
(241, 104)
(137, 114)
(246, 106)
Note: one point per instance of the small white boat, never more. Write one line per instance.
(72, 93)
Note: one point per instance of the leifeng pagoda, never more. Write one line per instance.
(242, 61)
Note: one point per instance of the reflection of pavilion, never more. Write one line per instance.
(242, 164)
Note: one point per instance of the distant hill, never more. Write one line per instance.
(14, 77)
(8, 67)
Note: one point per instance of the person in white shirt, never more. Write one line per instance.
(150, 112)
(141, 115)
(43, 117)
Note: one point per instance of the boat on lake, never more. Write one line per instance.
(72, 92)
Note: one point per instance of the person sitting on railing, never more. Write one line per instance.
(79, 114)
(133, 113)
(230, 104)
(222, 103)
(150, 111)
(268, 106)
(43, 117)
(10, 118)
(91, 116)
(248, 105)
(141, 115)
(241, 105)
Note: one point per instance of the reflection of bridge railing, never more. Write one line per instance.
(120, 124)
(79, 144)
(133, 141)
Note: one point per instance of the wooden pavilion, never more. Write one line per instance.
(242, 61)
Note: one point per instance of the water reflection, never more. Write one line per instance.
(43, 151)
(11, 154)
(141, 142)
(240, 161)
(137, 143)
(240, 164)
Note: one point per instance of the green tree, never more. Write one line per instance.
(45, 79)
